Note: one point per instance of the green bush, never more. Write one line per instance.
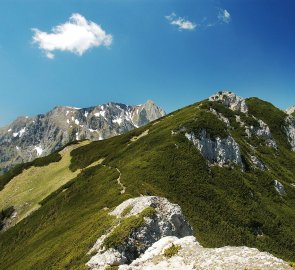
(126, 227)
(172, 251)
(4, 214)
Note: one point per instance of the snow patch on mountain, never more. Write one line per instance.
(100, 113)
(39, 150)
(66, 124)
(20, 133)
(118, 120)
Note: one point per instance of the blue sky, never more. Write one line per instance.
(144, 54)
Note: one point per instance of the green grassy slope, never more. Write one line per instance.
(26, 190)
(224, 205)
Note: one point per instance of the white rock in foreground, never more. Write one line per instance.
(144, 249)
(230, 100)
(168, 220)
(193, 256)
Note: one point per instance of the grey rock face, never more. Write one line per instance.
(290, 110)
(290, 131)
(279, 187)
(263, 131)
(230, 100)
(217, 151)
(168, 228)
(167, 221)
(192, 256)
(220, 117)
(258, 163)
(30, 137)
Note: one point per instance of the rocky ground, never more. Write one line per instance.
(165, 241)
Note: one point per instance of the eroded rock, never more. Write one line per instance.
(167, 220)
(167, 230)
(290, 131)
(221, 117)
(279, 187)
(192, 255)
(218, 151)
(290, 110)
(230, 100)
(258, 163)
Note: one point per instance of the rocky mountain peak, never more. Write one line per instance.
(230, 100)
(30, 137)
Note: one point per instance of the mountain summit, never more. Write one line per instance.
(30, 137)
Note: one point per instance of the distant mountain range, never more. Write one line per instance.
(27, 138)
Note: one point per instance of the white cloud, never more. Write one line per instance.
(224, 16)
(76, 35)
(180, 22)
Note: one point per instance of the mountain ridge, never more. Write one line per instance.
(27, 138)
(231, 172)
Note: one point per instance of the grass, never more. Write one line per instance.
(61, 232)
(126, 211)
(172, 250)
(210, 122)
(18, 169)
(112, 268)
(126, 227)
(60, 235)
(26, 190)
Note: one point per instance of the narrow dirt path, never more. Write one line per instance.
(123, 188)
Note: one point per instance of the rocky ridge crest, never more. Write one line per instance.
(165, 241)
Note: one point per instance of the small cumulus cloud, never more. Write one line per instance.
(180, 22)
(224, 16)
(77, 35)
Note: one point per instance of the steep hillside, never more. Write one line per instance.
(228, 162)
(30, 137)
